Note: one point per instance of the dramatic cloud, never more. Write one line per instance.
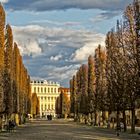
(55, 36)
(48, 40)
(54, 53)
(83, 53)
(44, 5)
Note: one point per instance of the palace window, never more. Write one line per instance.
(49, 106)
(45, 89)
(34, 89)
(55, 90)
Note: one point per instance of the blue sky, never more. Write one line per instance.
(56, 36)
(83, 19)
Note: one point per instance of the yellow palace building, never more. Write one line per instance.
(47, 93)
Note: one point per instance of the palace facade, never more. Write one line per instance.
(47, 93)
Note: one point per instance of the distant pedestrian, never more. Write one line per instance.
(50, 117)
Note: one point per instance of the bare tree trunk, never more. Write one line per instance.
(103, 118)
(113, 123)
(91, 118)
(124, 121)
(95, 118)
(118, 119)
(85, 116)
(1, 122)
(133, 120)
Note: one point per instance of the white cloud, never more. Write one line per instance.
(30, 39)
(60, 74)
(56, 58)
(56, 23)
(4, 1)
(27, 39)
(82, 53)
(33, 48)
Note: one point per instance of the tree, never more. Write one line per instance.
(91, 86)
(73, 97)
(16, 76)
(132, 39)
(28, 100)
(34, 105)
(2, 39)
(84, 91)
(116, 74)
(8, 93)
(65, 104)
(74, 94)
(58, 107)
(116, 70)
(15, 94)
(100, 89)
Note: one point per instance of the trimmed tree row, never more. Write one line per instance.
(15, 91)
(110, 82)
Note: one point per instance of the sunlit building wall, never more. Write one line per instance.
(47, 93)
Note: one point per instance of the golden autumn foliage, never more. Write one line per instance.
(35, 104)
(2, 24)
(8, 105)
(116, 73)
(15, 91)
(63, 102)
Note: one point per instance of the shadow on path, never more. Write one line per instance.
(62, 130)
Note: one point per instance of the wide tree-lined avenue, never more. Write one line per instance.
(63, 130)
(102, 69)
